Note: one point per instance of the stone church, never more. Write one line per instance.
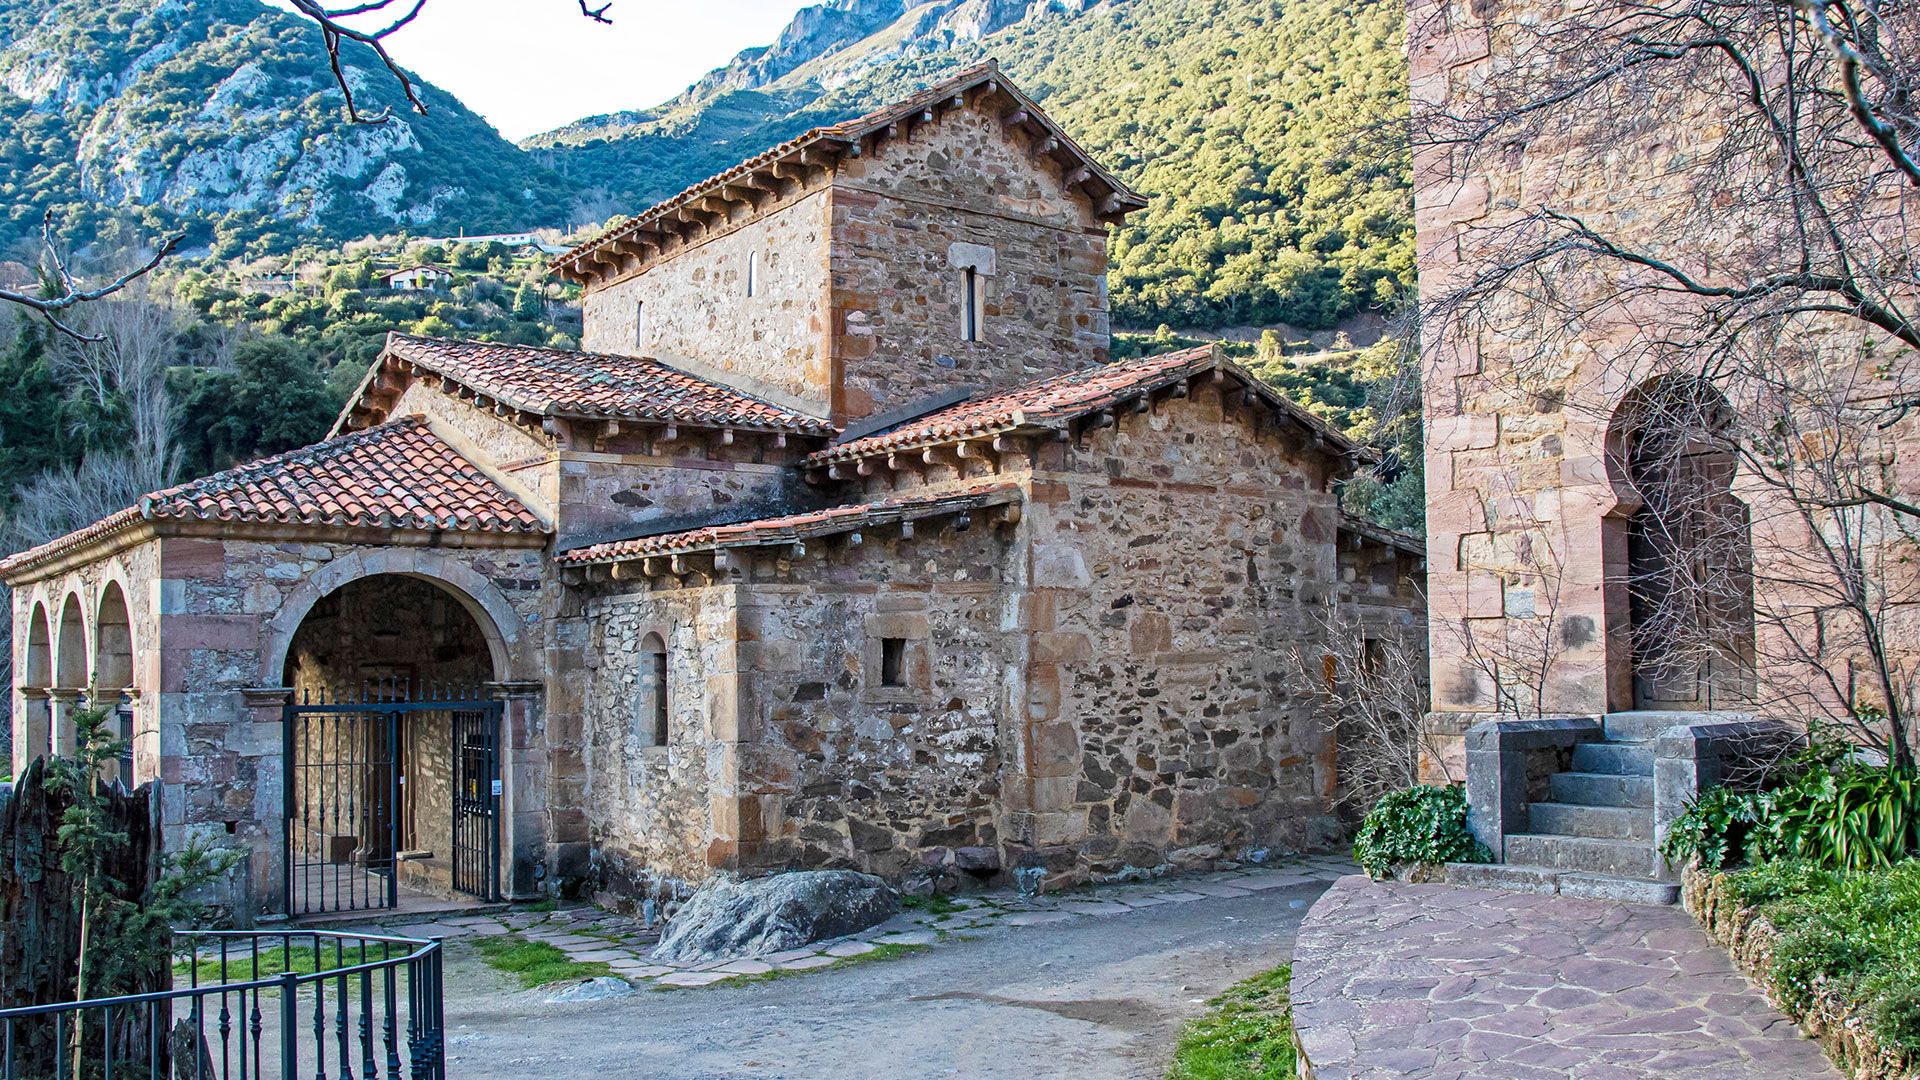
(843, 543)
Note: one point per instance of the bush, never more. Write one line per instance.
(1824, 808)
(1854, 936)
(1422, 824)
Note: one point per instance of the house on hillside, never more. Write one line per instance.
(843, 544)
(416, 279)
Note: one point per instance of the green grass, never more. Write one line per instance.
(548, 904)
(536, 963)
(1245, 1034)
(276, 961)
(936, 904)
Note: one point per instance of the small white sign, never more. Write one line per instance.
(496, 787)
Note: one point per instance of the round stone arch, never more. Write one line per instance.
(496, 618)
(114, 643)
(72, 640)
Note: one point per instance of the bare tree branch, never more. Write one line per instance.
(68, 292)
(335, 29)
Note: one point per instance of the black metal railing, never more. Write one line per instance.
(251, 1005)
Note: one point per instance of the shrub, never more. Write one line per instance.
(1422, 824)
(1852, 935)
(1825, 808)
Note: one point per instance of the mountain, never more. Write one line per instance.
(132, 118)
(1267, 133)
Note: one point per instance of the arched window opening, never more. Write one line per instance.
(655, 705)
(70, 666)
(113, 672)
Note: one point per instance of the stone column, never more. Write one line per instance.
(63, 702)
(265, 890)
(522, 807)
(33, 728)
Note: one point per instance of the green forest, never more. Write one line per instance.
(1264, 131)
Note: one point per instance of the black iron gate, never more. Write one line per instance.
(352, 816)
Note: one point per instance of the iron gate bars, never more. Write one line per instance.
(349, 760)
(256, 1005)
(476, 802)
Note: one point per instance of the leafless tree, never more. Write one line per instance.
(1371, 681)
(341, 24)
(1770, 261)
(63, 292)
(123, 357)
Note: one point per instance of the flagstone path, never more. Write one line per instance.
(1449, 983)
(592, 935)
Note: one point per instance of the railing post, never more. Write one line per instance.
(289, 1027)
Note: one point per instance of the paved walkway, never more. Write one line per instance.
(1437, 981)
(589, 935)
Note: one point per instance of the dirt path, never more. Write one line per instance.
(1090, 999)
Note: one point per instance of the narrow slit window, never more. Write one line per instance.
(753, 272)
(656, 703)
(893, 661)
(970, 304)
(639, 322)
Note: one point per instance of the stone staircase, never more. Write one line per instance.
(1593, 835)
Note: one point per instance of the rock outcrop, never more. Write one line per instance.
(729, 918)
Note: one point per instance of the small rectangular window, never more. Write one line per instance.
(970, 305)
(753, 272)
(893, 661)
(639, 322)
(657, 676)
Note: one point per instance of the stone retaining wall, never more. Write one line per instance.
(1832, 1020)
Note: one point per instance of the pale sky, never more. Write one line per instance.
(532, 65)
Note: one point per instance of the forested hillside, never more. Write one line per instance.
(1262, 130)
(131, 119)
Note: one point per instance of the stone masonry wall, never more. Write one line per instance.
(908, 219)
(1175, 561)
(229, 608)
(698, 315)
(839, 769)
(634, 485)
(1525, 524)
(650, 808)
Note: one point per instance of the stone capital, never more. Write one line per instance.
(266, 702)
(35, 693)
(516, 689)
(65, 695)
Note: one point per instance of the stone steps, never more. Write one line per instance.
(1612, 858)
(1616, 758)
(1596, 822)
(1601, 789)
(1540, 880)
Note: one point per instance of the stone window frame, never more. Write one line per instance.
(977, 264)
(911, 629)
(653, 700)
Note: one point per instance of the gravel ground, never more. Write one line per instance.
(1091, 999)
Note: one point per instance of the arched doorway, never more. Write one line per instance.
(1688, 547)
(113, 671)
(392, 748)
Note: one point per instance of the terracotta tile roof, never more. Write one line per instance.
(795, 527)
(399, 475)
(1058, 399)
(555, 382)
(848, 132)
